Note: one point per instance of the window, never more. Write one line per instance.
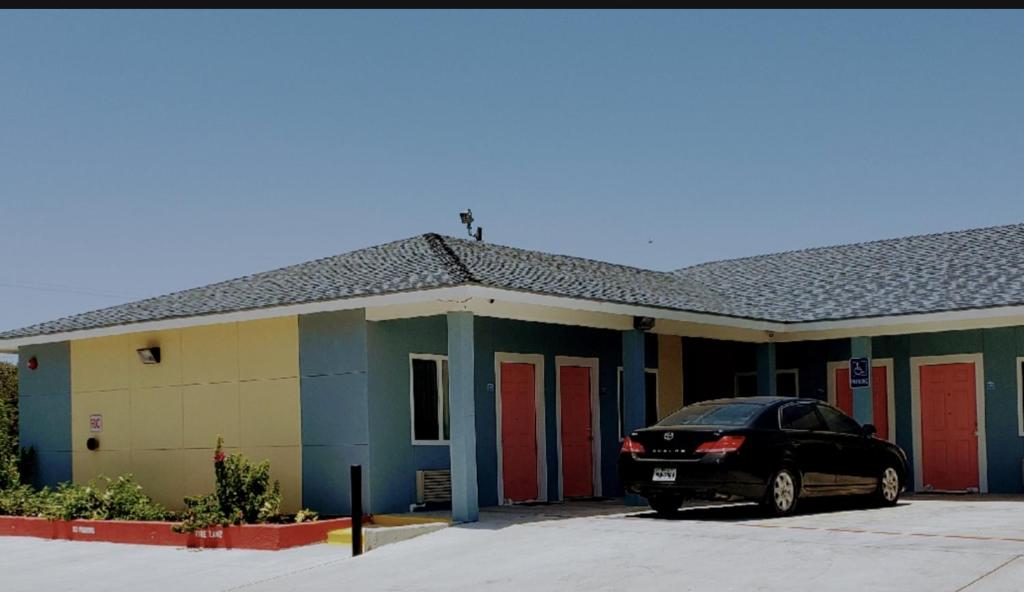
(787, 383)
(713, 414)
(429, 396)
(650, 399)
(801, 416)
(745, 384)
(839, 422)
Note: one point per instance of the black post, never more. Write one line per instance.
(357, 510)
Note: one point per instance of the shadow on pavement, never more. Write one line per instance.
(496, 518)
(738, 512)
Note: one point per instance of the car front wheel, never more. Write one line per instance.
(781, 495)
(889, 486)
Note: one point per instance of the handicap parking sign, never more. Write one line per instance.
(860, 372)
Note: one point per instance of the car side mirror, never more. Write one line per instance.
(868, 430)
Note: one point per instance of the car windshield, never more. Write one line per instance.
(713, 414)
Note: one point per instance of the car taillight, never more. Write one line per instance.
(631, 446)
(723, 444)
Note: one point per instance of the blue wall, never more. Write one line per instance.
(335, 407)
(393, 457)
(811, 359)
(710, 365)
(1000, 347)
(44, 407)
(498, 335)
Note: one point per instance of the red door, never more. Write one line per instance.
(577, 436)
(519, 432)
(949, 424)
(879, 397)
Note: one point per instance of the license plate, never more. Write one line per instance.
(664, 474)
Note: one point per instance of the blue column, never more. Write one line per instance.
(462, 414)
(633, 380)
(766, 369)
(634, 384)
(863, 408)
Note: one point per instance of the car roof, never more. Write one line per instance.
(762, 400)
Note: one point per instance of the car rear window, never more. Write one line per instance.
(713, 414)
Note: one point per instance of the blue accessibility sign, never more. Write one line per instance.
(860, 372)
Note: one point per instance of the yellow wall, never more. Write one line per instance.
(161, 421)
(670, 374)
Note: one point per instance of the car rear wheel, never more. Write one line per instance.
(889, 486)
(781, 495)
(665, 505)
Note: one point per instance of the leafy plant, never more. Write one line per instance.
(244, 494)
(23, 500)
(8, 425)
(306, 515)
(104, 499)
(123, 499)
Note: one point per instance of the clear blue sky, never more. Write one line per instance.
(142, 153)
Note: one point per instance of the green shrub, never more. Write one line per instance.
(123, 499)
(23, 500)
(8, 426)
(102, 499)
(244, 494)
(306, 515)
(70, 501)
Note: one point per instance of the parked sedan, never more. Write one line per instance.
(774, 450)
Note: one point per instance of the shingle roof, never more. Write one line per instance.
(418, 263)
(968, 269)
(939, 272)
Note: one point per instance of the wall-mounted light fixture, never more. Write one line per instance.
(33, 363)
(643, 323)
(149, 355)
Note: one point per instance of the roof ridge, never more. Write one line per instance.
(467, 241)
(846, 245)
(452, 263)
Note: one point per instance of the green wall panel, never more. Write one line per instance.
(393, 457)
(498, 335)
(44, 402)
(334, 407)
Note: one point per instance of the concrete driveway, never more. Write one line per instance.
(923, 544)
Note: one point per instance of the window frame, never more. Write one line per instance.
(736, 382)
(439, 359)
(796, 380)
(618, 396)
(794, 371)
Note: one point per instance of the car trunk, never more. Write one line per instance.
(678, 443)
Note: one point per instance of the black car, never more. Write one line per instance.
(774, 450)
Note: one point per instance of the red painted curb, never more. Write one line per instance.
(267, 537)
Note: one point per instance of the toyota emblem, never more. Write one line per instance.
(669, 436)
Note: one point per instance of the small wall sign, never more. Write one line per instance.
(860, 373)
(96, 423)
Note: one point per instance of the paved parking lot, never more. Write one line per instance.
(924, 544)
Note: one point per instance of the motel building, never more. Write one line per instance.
(453, 369)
